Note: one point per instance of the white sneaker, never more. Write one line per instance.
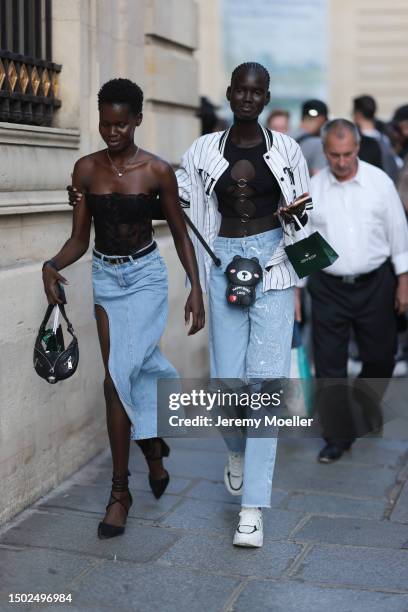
(249, 532)
(234, 473)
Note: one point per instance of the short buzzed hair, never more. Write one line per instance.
(340, 127)
(252, 67)
(365, 105)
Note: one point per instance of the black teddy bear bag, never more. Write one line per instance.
(243, 275)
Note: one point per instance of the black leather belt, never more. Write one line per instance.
(351, 279)
(238, 227)
(126, 258)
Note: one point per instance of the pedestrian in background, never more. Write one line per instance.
(399, 131)
(364, 111)
(314, 116)
(278, 121)
(400, 120)
(358, 210)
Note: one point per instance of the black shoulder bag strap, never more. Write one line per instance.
(206, 246)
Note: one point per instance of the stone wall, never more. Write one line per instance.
(47, 432)
(368, 51)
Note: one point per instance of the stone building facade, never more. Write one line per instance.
(368, 47)
(47, 432)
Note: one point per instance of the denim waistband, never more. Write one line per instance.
(273, 235)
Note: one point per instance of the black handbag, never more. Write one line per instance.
(52, 361)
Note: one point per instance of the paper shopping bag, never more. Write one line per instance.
(310, 254)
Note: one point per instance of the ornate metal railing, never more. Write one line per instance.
(28, 89)
(28, 77)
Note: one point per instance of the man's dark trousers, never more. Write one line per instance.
(367, 307)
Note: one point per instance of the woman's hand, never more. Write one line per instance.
(296, 208)
(74, 196)
(195, 307)
(51, 278)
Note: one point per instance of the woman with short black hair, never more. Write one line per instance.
(120, 185)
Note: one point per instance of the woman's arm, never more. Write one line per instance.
(171, 207)
(78, 243)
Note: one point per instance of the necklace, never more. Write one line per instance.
(121, 172)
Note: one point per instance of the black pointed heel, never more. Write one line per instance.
(119, 485)
(152, 453)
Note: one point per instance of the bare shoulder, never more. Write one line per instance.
(87, 163)
(160, 167)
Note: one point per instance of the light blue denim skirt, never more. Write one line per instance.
(134, 297)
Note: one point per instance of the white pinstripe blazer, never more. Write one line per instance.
(201, 167)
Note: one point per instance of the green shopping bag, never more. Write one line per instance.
(310, 254)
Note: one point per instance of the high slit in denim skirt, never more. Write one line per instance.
(134, 297)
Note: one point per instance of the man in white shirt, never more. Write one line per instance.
(358, 211)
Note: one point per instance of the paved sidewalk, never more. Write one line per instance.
(336, 537)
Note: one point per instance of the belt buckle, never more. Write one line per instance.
(350, 279)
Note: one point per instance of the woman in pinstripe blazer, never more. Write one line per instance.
(238, 187)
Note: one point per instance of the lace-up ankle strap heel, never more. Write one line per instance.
(120, 484)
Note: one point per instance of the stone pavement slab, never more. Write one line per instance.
(341, 478)
(72, 531)
(215, 491)
(215, 553)
(29, 570)
(214, 516)
(153, 587)
(193, 464)
(69, 608)
(372, 568)
(293, 596)
(73, 608)
(100, 473)
(368, 451)
(94, 498)
(320, 503)
(214, 444)
(329, 543)
(182, 463)
(400, 512)
(353, 532)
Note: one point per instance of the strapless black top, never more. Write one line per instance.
(123, 222)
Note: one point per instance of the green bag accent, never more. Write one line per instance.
(310, 254)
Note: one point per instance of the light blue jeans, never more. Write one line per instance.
(251, 344)
(134, 297)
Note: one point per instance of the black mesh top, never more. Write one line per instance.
(123, 222)
(247, 188)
